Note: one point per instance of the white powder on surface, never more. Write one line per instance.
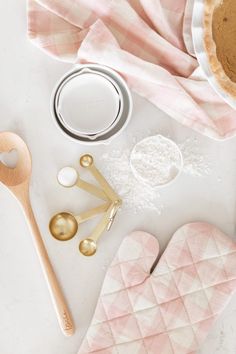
(136, 195)
(156, 160)
(195, 163)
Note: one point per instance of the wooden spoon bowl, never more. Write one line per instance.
(15, 176)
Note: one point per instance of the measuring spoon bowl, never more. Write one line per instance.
(63, 226)
(88, 247)
(68, 177)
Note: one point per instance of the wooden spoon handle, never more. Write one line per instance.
(62, 312)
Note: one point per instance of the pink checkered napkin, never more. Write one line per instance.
(172, 310)
(148, 41)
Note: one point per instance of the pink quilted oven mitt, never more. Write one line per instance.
(171, 310)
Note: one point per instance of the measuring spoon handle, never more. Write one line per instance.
(90, 188)
(103, 183)
(89, 214)
(102, 225)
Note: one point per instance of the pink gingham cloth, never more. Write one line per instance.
(171, 310)
(148, 42)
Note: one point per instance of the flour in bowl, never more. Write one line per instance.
(156, 160)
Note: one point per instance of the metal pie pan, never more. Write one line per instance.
(198, 33)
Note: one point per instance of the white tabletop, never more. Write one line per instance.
(27, 321)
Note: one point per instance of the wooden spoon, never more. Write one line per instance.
(17, 181)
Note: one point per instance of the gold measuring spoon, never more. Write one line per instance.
(88, 246)
(69, 177)
(117, 205)
(17, 181)
(86, 161)
(63, 226)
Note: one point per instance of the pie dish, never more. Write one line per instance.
(220, 42)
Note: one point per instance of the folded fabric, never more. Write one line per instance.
(148, 41)
(171, 310)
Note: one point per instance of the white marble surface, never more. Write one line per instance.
(27, 321)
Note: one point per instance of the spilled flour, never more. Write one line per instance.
(195, 163)
(138, 196)
(135, 195)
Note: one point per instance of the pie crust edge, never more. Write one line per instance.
(210, 48)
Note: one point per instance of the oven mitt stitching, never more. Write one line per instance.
(171, 309)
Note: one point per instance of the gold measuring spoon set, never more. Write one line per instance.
(64, 226)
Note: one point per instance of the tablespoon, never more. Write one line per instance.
(69, 177)
(63, 226)
(88, 246)
(86, 161)
(17, 181)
